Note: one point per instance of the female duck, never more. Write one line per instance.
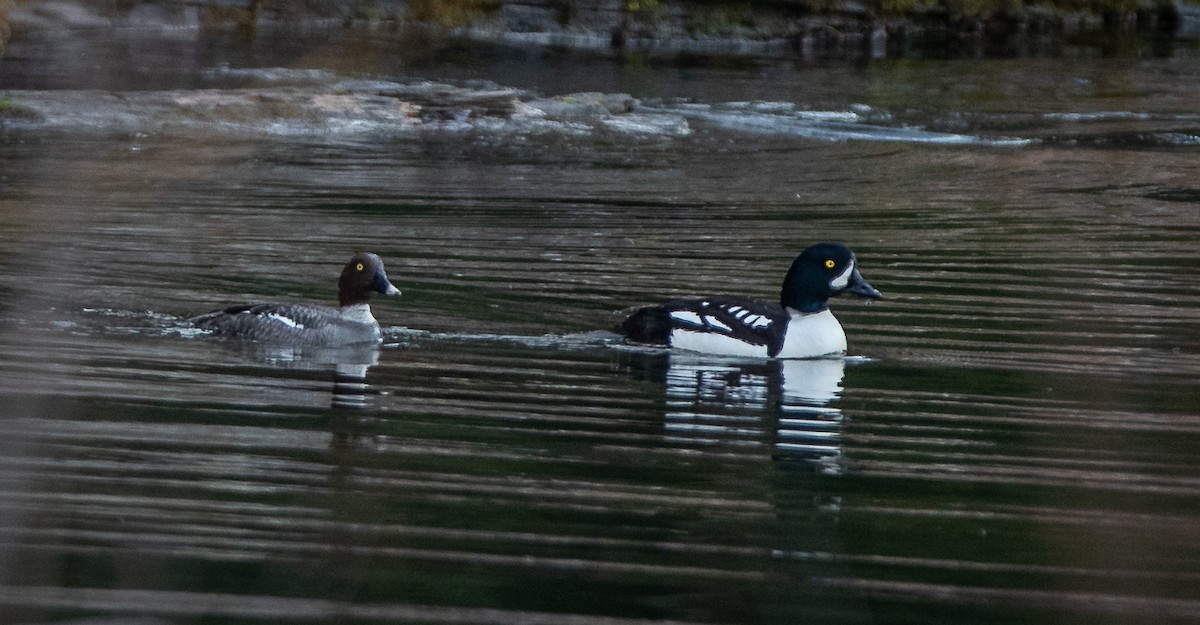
(311, 324)
(801, 326)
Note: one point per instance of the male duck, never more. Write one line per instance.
(801, 326)
(311, 324)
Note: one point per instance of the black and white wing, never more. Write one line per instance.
(719, 325)
(743, 320)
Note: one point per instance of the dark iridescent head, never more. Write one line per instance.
(823, 271)
(362, 276)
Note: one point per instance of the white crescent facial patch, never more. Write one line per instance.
(843, 278)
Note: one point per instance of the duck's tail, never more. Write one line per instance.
(650, 325)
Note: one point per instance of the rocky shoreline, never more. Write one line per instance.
(843, 29)
(304, 104)
(295, 99)
(328, 106)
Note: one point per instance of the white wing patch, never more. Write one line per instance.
(686, 316)
(712, 321)
(757, 321)
(287, 321)
(709, 321)
(744, 317)
(750, 320)
(843, 278)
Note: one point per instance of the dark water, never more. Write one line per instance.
(1014, 439)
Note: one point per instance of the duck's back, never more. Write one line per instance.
(294, 324)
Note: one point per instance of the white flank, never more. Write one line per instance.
(686, 316)
(843, 278)
(736, 311)
(809, 336)
(287, 321)
(713, 343)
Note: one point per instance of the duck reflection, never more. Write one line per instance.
(780, 405)
(349, 365)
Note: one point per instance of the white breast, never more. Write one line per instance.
(812, 335)
(358, 313)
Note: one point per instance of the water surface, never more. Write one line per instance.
(1013, 438)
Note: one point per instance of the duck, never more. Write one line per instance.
(799, 326)
(350, 323)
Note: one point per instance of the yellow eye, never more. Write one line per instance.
(360, 267)
(829, 264)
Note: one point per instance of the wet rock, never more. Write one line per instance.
(449, 101)
(340, 107)
(648, 125)
(585, 105)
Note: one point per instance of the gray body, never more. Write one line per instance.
(349, 323)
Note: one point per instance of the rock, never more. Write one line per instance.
(584, 105)
(335, 106)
